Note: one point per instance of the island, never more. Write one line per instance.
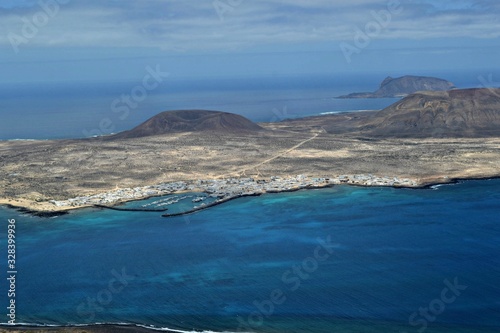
(424, 139)
(403, 86)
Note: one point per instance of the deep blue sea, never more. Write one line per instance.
(83, 109)
(345, 259)
(77, 110)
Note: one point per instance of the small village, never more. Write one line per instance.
(228, 188)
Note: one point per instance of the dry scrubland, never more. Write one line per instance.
(428, 137)
(32, 173)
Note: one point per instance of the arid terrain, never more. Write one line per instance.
(34, 172)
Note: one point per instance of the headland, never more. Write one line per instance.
(404, 86)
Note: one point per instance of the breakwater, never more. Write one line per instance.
(131, 209)
(226, 189)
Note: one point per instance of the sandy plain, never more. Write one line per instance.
(34, 172)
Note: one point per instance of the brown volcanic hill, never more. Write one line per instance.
(454, 113)
(191, 121)
(403, 86)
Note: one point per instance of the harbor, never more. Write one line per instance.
(223, 190)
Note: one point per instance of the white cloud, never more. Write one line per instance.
(196, 25)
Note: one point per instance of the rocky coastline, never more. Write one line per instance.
(223, 190)
(48, 178)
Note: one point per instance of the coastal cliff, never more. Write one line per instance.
(403, 86)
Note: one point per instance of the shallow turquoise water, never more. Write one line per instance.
(253, 264)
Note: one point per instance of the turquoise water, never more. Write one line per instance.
(256, 264)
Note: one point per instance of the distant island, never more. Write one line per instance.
(403, 86)
(426, 138)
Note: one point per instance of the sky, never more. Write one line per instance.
(115, 40)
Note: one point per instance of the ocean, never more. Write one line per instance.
(342, 259)
(83, 109)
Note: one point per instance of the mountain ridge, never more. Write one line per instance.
(472, 113)
(455, 113)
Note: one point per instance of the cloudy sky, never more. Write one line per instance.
(106, 40)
